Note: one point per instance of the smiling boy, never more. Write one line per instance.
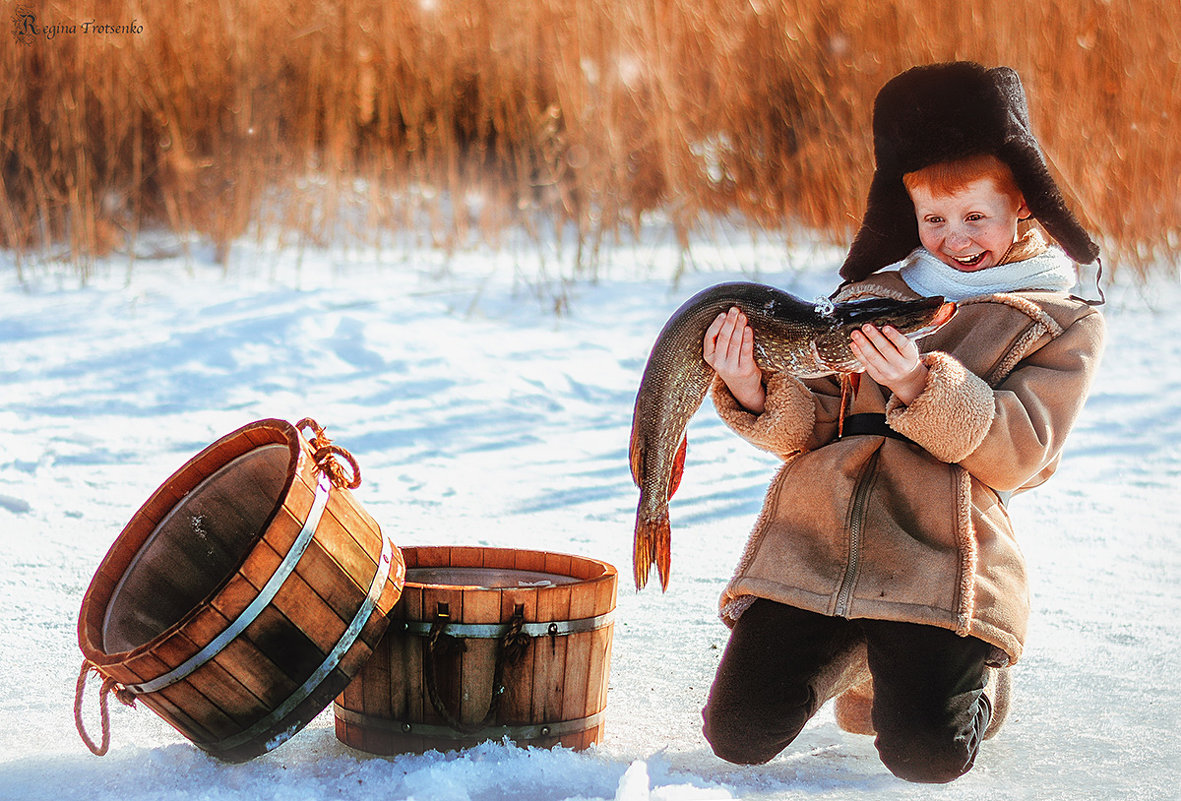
(884, 569)
(967, 211)
(970, 214)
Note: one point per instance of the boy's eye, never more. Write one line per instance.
(975, 217)
(932, 219)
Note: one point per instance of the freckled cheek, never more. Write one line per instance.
(931, 240)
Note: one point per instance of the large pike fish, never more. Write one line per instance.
(808, 340)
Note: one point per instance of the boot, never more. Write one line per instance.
(853, 708)
(998, 689)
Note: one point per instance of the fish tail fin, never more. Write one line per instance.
(664, 555)
(652, 546)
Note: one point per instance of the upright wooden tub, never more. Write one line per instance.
(487, 643)
(246, 592)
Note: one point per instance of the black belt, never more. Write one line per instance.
(873, 425)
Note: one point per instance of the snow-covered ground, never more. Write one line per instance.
(478, 416)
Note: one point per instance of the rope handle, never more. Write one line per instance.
(323, 457)
(510, 649)
(325, 454)
(109, 685)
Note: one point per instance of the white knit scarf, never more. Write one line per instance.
(927, 275)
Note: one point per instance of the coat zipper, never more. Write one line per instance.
(857, 518)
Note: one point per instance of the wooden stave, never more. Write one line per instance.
(399, 695)
(346, 539)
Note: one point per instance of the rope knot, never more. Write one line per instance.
(324, 454)
(515, 640)
(122, 694)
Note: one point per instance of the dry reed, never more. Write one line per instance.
(456, 119)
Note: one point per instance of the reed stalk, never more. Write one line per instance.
(457, 120)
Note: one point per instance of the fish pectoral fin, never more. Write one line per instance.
(635, 455)
(849, 385)
(674, 480)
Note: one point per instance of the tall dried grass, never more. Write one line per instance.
(455, 119)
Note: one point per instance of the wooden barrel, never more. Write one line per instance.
(245, 593)
(487, 643)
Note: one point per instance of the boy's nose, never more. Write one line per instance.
(957, 238)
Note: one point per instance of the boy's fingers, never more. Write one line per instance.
(869, 356)
(888, 346)
(747, 346)
(897, 337)
(729, 340)
(863, 342)
(710, 344)
(727, 336)
(872, 333)
(905, 346)
(896, 348)
(862, 351)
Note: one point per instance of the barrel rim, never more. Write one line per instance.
(607, 571)
(136, 532)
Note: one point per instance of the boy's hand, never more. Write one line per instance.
(729, 348)
(892, 360)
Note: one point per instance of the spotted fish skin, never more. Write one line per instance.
(805, 339)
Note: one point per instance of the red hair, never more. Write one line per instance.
(948, 177)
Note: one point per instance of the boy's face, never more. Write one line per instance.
(970, 230)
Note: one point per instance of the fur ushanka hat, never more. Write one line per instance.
(944, 112)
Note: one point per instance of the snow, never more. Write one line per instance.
(480, 417)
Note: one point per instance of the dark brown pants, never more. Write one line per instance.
(929, 708)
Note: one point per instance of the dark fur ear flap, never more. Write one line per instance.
(944, 112)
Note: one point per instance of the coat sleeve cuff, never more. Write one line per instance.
(951, 416)
(787, 419)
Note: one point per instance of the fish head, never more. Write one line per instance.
(913, 318)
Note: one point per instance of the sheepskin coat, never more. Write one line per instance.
(868, 526)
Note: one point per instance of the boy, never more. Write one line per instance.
(883, 563)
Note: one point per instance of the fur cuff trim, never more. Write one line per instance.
(952, 414)
(733, 608)
(787, 419)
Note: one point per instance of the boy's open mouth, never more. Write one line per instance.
(970, 261)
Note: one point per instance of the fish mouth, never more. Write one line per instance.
(942, 316)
